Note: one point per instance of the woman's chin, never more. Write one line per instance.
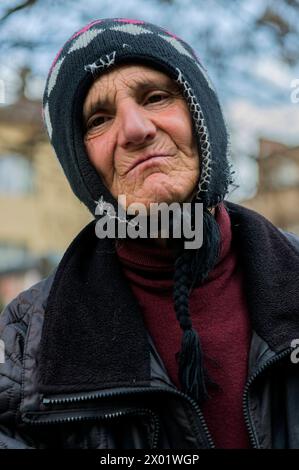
(157, 194)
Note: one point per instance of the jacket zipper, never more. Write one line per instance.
(96, 395)
(246, 410)
(88, 416)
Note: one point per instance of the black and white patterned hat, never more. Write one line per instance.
(108, 42)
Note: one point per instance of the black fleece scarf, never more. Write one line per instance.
(93, 334)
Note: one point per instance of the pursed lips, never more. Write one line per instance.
(148, 157)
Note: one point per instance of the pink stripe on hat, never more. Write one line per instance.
(172, 35)
(82, 30)
(127, 20)
(88, 26)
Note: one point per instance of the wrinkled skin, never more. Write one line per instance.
(129, 113)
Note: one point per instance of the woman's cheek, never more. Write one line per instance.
(90, 147)
(93, 147)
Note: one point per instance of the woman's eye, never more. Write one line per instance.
(97, 121)
(156, 98)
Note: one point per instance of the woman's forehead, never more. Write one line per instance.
(132, 78)
(131, 75)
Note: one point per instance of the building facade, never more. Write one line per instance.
(277, 196)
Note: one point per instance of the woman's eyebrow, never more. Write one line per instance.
(104, 102)
(96, 107)
(143, 86)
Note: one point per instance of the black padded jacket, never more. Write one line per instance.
(153, 413)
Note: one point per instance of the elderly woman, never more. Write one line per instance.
(143, 343)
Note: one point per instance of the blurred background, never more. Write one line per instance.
(251, 50)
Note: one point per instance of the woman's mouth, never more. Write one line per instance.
(149, 160)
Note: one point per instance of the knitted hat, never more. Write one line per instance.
(95, 49)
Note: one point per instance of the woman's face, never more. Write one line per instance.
(139, 136)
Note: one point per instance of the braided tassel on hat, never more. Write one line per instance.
(191, 269)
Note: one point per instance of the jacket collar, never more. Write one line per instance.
(271, 268)
(93, 334)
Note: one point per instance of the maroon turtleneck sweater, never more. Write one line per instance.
(219, 315)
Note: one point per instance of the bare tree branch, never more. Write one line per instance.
(10, 11)
(274, 20)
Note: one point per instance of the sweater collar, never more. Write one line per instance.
(154, 262)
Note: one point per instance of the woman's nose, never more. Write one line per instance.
(135, 127)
